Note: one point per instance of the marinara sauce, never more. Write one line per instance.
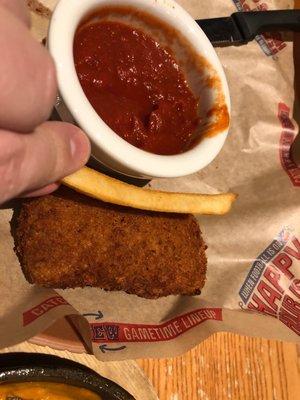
(136, 86)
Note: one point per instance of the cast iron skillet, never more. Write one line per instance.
(32, 367)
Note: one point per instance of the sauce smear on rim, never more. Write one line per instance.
(136, 86)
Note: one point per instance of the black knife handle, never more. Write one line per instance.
(252, 23)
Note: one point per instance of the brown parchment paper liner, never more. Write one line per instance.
(253, 252)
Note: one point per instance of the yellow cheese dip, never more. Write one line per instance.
(45, 391)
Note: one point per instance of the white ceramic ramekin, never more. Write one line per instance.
(107, 147)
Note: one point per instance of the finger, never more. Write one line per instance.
(18, 8)
(27, 77)
(42, 192)
(30, 162)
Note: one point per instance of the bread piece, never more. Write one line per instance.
(68, 240)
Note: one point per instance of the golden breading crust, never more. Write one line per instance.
(67, 240)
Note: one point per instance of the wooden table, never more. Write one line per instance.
(228, 366)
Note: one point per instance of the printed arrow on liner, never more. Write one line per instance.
(97, 315)
(104, 348)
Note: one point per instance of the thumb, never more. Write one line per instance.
(32, 161)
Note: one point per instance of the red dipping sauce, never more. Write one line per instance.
(136, 86)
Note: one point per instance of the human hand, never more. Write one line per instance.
(34, 154)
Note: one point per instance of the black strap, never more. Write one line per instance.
(253, 23)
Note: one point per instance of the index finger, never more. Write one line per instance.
(27, 77)
(18, 8)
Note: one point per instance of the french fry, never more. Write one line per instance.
(110, 190)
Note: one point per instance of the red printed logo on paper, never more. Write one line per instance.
(109, 332)
(271, 44)
(287, 138)
(272, 285)
(42, 308)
